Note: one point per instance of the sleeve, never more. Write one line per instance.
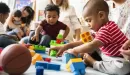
(42, 23)
(63, 26)
(74, 19)
(104, 36)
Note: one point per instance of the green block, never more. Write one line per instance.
(53, 53)
(59, 36)
(39, 47)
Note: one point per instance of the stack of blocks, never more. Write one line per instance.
(53, 53)
(54, 43)
(47, 65)
(59, 38)
(86, 37)
(39, 49)
(39, 70)
(76, 66)
(36, 57)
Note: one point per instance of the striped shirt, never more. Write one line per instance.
(112, 38)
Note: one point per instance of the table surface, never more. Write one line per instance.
(32, 70)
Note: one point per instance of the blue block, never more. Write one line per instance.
(67, 56)
(77, 66)
(42, 63)
(53, 67)
(82, 71)
(40, 51)
(76, 73)
(39, 70)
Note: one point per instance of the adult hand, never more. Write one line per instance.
(126, 54)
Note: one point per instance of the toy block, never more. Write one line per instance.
(49, 66)
(39, 47)
(54, 43)
(58, 41)
(36, 57)
(53, 53)
(77, 66)
(31, 47)
(59, 36)
(76, 73)
(42, 64)
(66, 57)
(86, 37)
(32, 52)
(82, 72)
(47, 59)
(52, 66)
(39, 70)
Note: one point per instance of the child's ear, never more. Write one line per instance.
(101, 14)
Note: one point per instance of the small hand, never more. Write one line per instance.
(35, 38)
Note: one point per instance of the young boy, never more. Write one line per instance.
(108, 38)
(5, 40)
(51, 27)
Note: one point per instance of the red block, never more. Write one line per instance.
(58, 41)
(47, 59)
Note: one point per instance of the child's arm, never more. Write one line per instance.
(66, 32)
(86, 48)
(36, 35)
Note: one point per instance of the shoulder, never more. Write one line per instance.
(61, 23)
(42, 23)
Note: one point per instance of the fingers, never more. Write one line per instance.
(53, 48)
(59, 53)
(126, 52)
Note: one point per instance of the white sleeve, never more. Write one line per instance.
(74, 19)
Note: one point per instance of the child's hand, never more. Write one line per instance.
(72, 51)
(35, 38)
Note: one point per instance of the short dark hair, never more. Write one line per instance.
(52, 7)
(97, 5)
(4, 8)
(17, 13)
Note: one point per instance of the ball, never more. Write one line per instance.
(15, 59)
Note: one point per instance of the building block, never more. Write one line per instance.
(49, 66)
(58, 41)
(54, 43)
(31, 47)
(66, 57)
(32, 52)
(52, 66)
(47, 59)
(39, 49)
(59, 36)
(53, 53)
(39, 70)
(76, 73)
(86, 37)
(36, 57)
(82, 72)
(42, 64)
(77, 66)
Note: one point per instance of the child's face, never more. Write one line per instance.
(17, 18)
(51, 17)
(94, 20)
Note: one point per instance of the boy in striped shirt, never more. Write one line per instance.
(108, 38)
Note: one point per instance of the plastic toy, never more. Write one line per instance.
(39, 70)
(53, 53)
(36, 57)
(54, 43)
(49, 66)
(86, 37)
(76, 66)
(47, 59)
(39, 49)
(32, 52)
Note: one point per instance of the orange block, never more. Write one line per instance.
(36, 57)
(32, 52)
(31, 47)
(86, 37)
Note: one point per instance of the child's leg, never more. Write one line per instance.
(24, 40)
(112, 65)
(45, 40)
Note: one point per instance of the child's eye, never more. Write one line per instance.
(88, 20)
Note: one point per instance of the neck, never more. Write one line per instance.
(118, 2)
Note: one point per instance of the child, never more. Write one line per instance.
(5, 40)
(17, 28)
(51, 27)
(108, 38)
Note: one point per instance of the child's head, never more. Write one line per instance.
(4, 12)
(95, 13)
(52, 14)
(17, 15)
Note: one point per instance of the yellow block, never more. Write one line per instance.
(31, 47)
(36, 57)
(32, 52)
(86, 37)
